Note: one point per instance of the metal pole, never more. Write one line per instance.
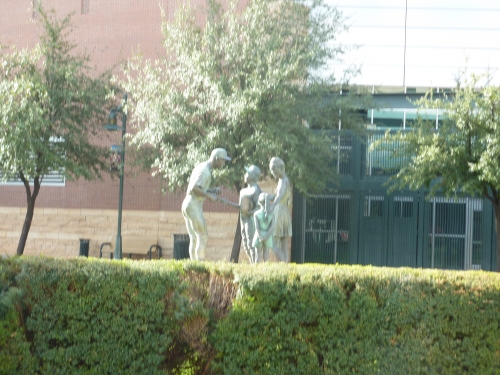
(433, 242)
(336, 229)
(118, 247)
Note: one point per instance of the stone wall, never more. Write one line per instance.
(56, 232)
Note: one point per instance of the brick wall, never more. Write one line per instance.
(110, 31)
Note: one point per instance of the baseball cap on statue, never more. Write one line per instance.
(254, 171)
(220, 153)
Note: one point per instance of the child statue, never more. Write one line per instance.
(264, 228)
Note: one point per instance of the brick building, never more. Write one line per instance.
(110, 31)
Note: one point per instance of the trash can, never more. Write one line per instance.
(181, 246)
(84, 247)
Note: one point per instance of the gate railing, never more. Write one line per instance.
(349, 148)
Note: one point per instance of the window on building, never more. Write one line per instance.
(342, 147)
(85, 6)
(403, 117)
(35, 4)
(387, 118)
(53, 178)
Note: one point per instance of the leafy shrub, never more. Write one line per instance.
(108, 317)
(90, 316)
(15, 356)
(363, 320)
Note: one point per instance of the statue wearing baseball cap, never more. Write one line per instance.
(192, 206)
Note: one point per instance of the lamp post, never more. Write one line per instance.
(112, 125)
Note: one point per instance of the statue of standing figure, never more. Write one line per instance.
(283, 226)
(192, 206)
(264, 228)
(249, 196)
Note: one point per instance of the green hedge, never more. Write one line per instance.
(90, 316)
(362, 320)
(109, 317)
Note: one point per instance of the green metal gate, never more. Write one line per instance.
(402, 230)
(373, 229)
(454, 235)
(398, 230)
(326, 227)
(388, 229)
(362, 224)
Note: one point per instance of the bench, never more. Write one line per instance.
(133, 245)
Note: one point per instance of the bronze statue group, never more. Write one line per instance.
(265, 218)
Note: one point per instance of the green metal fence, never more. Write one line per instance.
(361, 223)
(326, 234)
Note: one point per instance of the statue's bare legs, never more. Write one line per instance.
(197, 229)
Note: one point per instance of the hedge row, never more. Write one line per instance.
(90, 316)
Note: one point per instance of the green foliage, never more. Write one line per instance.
(248, 81)
(88, 316)
(462, 156)
(52, 109)
(92, 319)
(9, 294)
(15, 355)
(103, 317)
(343, 320)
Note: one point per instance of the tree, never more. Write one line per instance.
(248, 80)
(51, 110)
(463, 154)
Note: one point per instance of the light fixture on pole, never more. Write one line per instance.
(112, 125)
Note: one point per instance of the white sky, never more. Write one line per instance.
(442, 37)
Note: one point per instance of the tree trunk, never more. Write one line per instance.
(235, 252)
(31, 198)
(497, 227)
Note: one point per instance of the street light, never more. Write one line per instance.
(112, 125)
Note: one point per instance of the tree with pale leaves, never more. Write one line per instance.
(250, 80)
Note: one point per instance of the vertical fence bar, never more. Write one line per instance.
(433, 238)
(336, 230)
(468, 233)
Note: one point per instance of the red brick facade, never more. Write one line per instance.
(110, 31)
